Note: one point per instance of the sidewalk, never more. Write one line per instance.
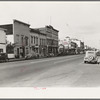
(22, 59)
(16, 59)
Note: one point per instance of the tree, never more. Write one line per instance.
(10, 48)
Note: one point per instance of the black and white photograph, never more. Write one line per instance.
(49, 44)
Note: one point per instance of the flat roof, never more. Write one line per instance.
(52, 28)
(3, 29)
(8, 28)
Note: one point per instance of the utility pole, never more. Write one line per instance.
(50, 20)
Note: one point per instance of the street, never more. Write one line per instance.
(65, 71)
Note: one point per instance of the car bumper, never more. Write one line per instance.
(93, 61)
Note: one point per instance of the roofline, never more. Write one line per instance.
(5, 24)
(48, 27)
(51, 27)
(38, 31)
(21, 22)
(34, 30)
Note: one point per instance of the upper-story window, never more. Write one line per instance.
(34, 40)
(37, 40)
(17, 38)
(31, 39)
(26, 40)
(22, 40)
(44, 41)
(1, 50)
(40, 41)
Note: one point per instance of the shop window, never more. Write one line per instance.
(17, 37)
(26, 50)
(1, 50)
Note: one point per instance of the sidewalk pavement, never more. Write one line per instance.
(16, 59)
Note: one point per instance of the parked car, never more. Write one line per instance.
(91, 57)
(98, 53)
(32, 56)
(3, 57)
(50, 55)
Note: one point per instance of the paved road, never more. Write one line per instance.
(67, 71)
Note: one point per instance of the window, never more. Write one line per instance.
(22, 39)
(1, 50)
(10, 48)
(40, 41)
(17, 38)
(44, 41)
(34, 39)
(26, 40)
(27, 51)
(37, 40)
(31, 39)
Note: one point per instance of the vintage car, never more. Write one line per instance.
(3, 57)
(32, 56)
(91, 57)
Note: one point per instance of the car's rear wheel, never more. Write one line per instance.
(7, 60)
(85, 61)
(96, 62)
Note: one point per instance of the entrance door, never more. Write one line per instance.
(17, 52)
(23, 51)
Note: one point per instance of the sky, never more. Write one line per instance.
(79, 20)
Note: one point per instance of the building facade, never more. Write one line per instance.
(2, 40)
(22, 40)
(18, 35)
(69, 46)
(80, 45)
(34, 41)
(38, 42)
(51, 39)
(21, 34)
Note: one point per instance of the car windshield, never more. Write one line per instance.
(90, 53)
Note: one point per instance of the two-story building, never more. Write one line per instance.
(34, 40)
(51, 38)
(21, 39)
(2, 40)
(18, 34)
(38, 42)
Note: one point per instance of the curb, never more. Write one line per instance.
(12, 60)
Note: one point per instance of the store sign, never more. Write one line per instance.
(65, 43)
(61, 46)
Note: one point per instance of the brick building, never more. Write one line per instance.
(38, 42)
(51, 39)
